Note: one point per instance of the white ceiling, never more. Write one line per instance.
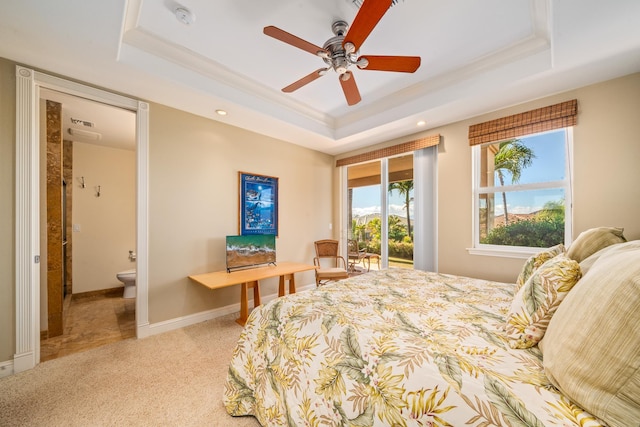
(91, 122)
(477, 56)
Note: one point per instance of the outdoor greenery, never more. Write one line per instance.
(400, 239)
(543, 230)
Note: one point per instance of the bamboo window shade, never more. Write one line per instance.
(394, 150)
(539, 120)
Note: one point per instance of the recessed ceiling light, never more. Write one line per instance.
(221, 112)
(421, 123)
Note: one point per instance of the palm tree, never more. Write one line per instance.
(512, 157)
(404, 188)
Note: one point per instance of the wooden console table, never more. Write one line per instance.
(249, 279)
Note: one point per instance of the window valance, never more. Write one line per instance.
(539, 120)
(394, 150)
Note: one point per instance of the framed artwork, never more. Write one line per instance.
(258, 204)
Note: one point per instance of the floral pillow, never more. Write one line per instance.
(537, 300)
(535, 261)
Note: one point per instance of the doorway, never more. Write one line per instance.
(27, 321)
(87, 148)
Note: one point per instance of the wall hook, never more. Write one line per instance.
(98, 191)
(82, 184)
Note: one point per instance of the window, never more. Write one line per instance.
(522, 192)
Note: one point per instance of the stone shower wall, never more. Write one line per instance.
(55, 293)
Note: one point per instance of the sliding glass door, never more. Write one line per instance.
(400, 211)
(363, 215)
(379, 213)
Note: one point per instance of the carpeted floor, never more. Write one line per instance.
(171, 379)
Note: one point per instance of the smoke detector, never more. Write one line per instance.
(184, 15)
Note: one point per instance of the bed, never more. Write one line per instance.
(392, 347)
(402, 347)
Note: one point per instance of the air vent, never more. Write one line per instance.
(82, 122)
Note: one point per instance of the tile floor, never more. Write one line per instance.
(91, 321)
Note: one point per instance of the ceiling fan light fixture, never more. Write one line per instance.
(349, 47)
(362, 63)
(340, 64)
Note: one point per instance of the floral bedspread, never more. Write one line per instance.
(395, 347)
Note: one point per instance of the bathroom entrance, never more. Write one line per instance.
(28, 292)
(87, 224)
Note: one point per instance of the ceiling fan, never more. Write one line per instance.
(342, 50)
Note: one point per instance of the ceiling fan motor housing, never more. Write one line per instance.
(338, 58)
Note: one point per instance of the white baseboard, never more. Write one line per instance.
(6, 368)
(180, 322)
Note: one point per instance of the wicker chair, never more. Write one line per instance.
(355, 255)
(329, 264)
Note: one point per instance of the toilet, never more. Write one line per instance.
(128, 277)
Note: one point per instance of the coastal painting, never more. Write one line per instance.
(258, 204)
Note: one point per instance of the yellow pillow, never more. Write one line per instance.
(591, 350)
(591, 241)
(535, 261)
(539, 298)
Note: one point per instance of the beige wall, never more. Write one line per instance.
(193, 194)
(107, 223)
(193, 204)
(606, 174)
(7, 184)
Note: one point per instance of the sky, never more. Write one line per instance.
(366, 200)
(548, 165)
(549, 157)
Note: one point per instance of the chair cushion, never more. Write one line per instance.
(535, 261)
(535, 303)
(331, 272)
(591, 350)
(591, 241)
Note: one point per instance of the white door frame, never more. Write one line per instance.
(27, 206)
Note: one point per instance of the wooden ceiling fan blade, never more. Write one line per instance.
(402, 64)
(370, 13)
(305, 80)
(295, 41)
(350, 89)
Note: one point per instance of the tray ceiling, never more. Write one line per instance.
(476, 57)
